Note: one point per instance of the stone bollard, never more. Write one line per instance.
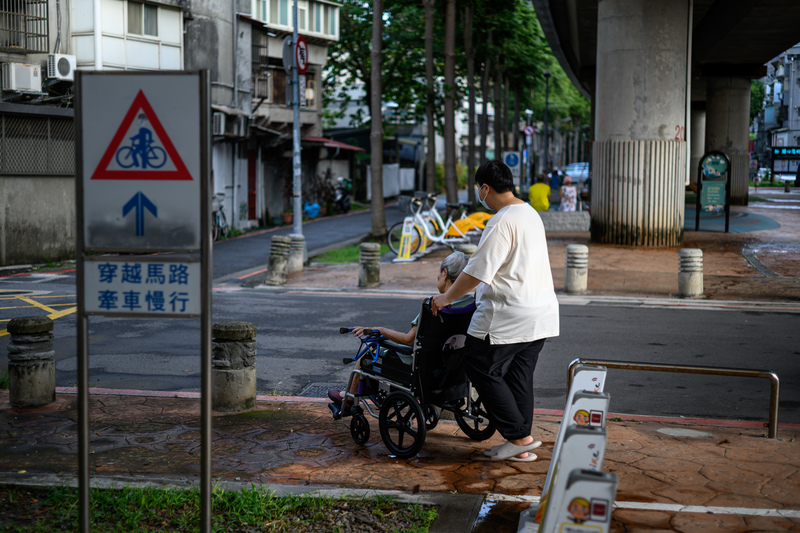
(278, 260)
(31, 369)
(233, 372)
(576, 275)
(297, 253)
(369, 273)
(690, 276)
(466, 249)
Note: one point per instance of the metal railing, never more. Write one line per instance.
(690, 369)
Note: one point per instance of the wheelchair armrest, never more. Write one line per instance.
(398, 348)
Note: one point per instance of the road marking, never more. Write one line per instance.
(52, 313)
(668, 507)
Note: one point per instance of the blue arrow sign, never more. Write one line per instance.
(139, 203)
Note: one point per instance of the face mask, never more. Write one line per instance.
(483, 201)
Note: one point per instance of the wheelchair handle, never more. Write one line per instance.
(344, 330)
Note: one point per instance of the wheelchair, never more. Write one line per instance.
(408, 399)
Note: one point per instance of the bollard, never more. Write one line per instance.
(576, 275)
(233, 372)
(278, 260)
(297, 250)
(31, 368)
(690, 276)
(466, 249)
(369, 273)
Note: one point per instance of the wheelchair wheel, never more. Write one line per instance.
(480, 428)
(359, 429)
(402, 424)
(432, 415)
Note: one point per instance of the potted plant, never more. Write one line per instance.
(288, 217)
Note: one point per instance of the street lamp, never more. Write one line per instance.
(546, 97)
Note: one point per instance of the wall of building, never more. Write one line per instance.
(37, 219)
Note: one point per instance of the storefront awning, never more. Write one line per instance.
(330, 143)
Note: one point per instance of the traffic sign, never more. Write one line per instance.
(528, 130)
(301, 55)
(140, 151)
(513, 161)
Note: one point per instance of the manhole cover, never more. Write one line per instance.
(319, 390)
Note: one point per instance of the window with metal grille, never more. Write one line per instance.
(23, 26)
(34, 145)
(260, 62)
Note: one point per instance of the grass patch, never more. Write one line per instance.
(4, 380)
(250, 510)
(345, 254)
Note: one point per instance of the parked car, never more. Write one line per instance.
(579, 172)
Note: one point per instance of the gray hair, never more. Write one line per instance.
(454, 264)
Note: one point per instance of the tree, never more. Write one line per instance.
(757, 95)
(376, 130)
(430, 100)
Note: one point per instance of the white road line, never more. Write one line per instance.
(668, 507)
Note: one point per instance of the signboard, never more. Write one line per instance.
(301, 55)
(713, 186)
(514, 162)
(131, 285)
(141, 163)
(528, 131)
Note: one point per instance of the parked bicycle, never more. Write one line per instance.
(429, 224)
(219, 224)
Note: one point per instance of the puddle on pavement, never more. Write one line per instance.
(499, 517)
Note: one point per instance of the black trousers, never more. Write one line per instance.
(503, 376)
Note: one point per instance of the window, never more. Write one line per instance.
(142, 19)
(311, 91)
(260, 62)
(23, 26)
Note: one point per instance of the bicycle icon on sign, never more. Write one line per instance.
(141, 153)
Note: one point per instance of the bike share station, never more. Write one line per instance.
(143, 161)
(713, 187)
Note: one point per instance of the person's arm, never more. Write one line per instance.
(463, 285)
(392, 335)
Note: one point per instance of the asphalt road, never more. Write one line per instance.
(298, 345)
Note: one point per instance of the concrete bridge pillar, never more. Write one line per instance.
(639, 156)
(727, 129)
(698, 144)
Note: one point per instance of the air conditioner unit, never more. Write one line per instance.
(61, 67)
(22, 77)
(218, 123)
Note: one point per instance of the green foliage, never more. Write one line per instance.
(461, 175)
(757, 95)
(251, 509)
(4, 380)
(520, 48)
(346, 254)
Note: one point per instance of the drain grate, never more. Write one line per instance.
(319, 390)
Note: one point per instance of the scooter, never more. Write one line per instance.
(342, 195)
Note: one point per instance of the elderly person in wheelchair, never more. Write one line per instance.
(451, 267)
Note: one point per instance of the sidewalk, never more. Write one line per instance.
(674, 474)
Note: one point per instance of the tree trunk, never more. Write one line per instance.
(450, 180)
(515, 122)
(498, 111)
(470, 53)
(487, 66)
(376, 129)
(430, 156)
(506, 146)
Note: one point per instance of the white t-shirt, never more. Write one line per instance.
(516, 301)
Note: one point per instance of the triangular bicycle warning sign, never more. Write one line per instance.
(141, 149)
